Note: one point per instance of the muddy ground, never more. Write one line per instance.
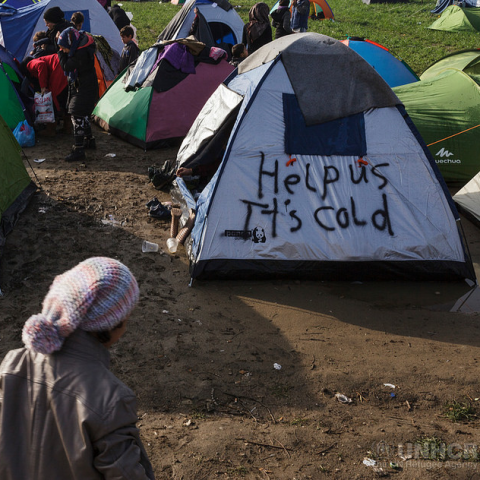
(239, 379)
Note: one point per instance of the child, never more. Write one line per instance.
(77, 20)
(40, 40)
(281, 19)
(77, 58)
(239, 54)
(63, 413)
(130, 50)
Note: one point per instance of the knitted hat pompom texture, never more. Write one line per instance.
(96, 295)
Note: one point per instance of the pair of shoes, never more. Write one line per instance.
(153, 203)
(161, 212)
(89, 143)
(77, 153)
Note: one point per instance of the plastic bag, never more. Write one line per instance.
(25, 134)
(44, 112)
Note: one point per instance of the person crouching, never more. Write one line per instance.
(77, 58)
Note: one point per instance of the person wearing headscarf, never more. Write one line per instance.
(77, 58)
(281, 19)
(63, 414)
(257, 32)
(55, 22)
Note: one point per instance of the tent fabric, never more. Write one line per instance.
(267, 212)
(16, 187)
(319, 5)
(19, 3)
(225, 24)
(15, 106)
(395, 72)
(324, 56)
(154, 102)
(445, 107)
(467, 200)
(457, 19)
(441, 6)
(29, 20)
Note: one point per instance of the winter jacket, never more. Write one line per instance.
(66, 416)
(83, 92)
(52, 46)
(50, 75)
(263, 39)
(300, 13)
(119, 17)
(281, 22)
(129, 54)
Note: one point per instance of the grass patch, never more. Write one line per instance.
(280, 390)
(459, 412)
(401, 27)
(299, 422)
(430, 448)
(242, 471)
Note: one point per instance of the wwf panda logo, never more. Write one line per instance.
(258, 235)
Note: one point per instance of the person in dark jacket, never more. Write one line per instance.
(281, 19)
(239, 54)
(119, 16)
(130, 50)
(55, 21)
(300, 13)
(77, 58)
(63, 413)
(258, 31)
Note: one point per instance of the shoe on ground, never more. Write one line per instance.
(153, 203)
(160, 212)
(77, 154)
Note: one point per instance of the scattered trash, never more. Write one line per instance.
(172, 244)
(395, 466)
(391, 385)
(343, 399)
(148, 247)
(164, 311)
(409, 456)
(277, 366)
(39, 160)
(42, 209)
(112, 221)
(111, 155)
(188, 422)
(392, 395)
(369, 462)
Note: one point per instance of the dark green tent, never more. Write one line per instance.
(16, 187)
(445, 107)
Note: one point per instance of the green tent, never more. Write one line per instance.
(457, 19)
(10, 107)
(16, 187)
(445, 108)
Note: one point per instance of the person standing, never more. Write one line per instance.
(300, 13)
(63, 414)
(130, 51)
(258, 31)
(55, 22)
(281, 19)
(77, 58)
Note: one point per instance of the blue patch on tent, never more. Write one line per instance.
(86, 14)
(344, 136)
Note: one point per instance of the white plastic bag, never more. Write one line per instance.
(44, 108)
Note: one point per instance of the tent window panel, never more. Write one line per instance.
(344, 136)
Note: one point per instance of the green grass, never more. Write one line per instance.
(459, 411)
(401, 27)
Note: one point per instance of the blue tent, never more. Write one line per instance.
(18, 3)
(395, 72)
(29, 20)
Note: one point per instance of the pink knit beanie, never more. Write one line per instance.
(95, 296)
